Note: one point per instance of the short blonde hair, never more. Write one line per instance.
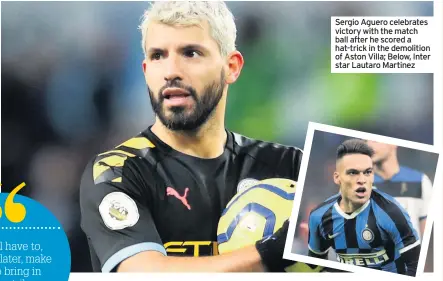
(192, 13)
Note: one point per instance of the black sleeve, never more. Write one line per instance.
(324, 256)
(115, 213)
(410, 258)
(284, 160)
(297, 157)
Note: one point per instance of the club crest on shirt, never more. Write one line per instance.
(367, 235)
(246, 183)
(118, 211)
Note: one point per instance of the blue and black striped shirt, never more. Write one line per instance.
(373, 236)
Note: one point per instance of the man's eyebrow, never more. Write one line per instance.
(154, 50)
(352, 170)
(193, 46)
(357, 170)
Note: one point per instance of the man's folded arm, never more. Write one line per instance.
(243, 260)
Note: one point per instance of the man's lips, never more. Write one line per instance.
(169, 93)
(361, 191)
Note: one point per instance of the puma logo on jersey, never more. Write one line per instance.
(172, 192)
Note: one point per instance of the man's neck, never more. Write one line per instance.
(207, 142)
(387, 168)
(348, 207)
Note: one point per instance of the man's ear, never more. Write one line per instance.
(337, 178)
(144, 66)
(235, 63)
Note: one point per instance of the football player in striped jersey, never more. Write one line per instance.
(365, 227)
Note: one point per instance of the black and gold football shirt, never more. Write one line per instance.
(145, 196)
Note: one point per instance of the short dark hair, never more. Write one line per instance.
(354, 146)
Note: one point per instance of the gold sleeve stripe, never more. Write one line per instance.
(138, 143)
(119, 179)
(117, 158)
(98, 170)
(117, 151)
(113, 161)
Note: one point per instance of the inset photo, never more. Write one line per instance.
(363, 202)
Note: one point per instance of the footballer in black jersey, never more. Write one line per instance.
(161, 193)
(144, 195)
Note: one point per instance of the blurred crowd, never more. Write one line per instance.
(72, 86)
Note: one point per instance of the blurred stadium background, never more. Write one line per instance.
(319, 184)
(72, 86)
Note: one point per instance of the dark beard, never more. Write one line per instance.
(204, 107)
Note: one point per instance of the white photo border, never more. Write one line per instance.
(312, 127)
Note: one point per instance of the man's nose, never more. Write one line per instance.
(361, 179)
(173, 68)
